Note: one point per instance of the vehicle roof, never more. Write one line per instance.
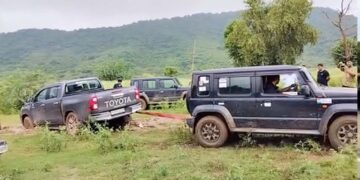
(250, 69)
(151, 78)
(69, 81)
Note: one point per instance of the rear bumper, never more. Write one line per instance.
(106, 116)
(190, 122)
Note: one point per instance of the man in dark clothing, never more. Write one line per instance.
(271, 85)
(323, 75)
(119, 83)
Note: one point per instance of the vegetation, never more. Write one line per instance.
(338, 52)
(112, 70)
(19, 86)
(170, 71)
(170, 153)
(147, 46)
(270, 34)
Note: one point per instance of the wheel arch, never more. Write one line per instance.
(214, 110)
(334, 112)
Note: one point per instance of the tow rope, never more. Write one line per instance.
(165, 115)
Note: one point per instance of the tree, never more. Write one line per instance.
(347, 47)
(110, 71)
(339, 53)
(18, 86)
(269, 34)
(170, 71)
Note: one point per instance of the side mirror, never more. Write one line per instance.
(175, 86)
(305, 90)
(30, 99)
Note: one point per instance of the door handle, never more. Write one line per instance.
(161, 91)
(221, 103)
(42, 104)
(56, 102)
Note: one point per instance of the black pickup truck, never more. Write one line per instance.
(269, 99)
(76, 101)
(159, 90)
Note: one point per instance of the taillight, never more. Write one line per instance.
(93, 103)
(137, 94)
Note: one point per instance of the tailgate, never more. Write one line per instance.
(115, 99)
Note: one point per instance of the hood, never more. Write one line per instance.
(339, 92)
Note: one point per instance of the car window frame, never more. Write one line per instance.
(175, 83)
(58, 93)
(229, 75)
(147, 89)
(261, 85)
(37, 95)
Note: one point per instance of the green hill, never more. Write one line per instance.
(148, 46)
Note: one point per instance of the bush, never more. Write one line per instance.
(247, 141)
(52, 141)
(103, 139)
(112, 70)
(181, 135)
(18, 86)
(308, 145)
(170, 71)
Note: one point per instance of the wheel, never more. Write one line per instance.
(143, 104)
(28, 123)
(343, 131)
(211, 131)
(72, 123)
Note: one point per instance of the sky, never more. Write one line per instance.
(76, 14)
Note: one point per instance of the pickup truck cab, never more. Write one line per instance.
(74, 102)
(236, 100)
(159, 90)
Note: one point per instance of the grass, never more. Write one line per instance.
(9, 120)
(156, 156)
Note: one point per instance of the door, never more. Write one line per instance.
(168, 89)
(287, 108)
(150, 88)
(53, 106)
(38, 107)
(236, 93)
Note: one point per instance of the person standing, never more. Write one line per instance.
(349, 75)
(323, 75)
(119, 83)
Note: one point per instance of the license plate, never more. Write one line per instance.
(118, 111)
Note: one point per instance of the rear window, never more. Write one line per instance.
(80, 86)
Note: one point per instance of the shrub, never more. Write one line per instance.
(17, 87)
(52, 141)
(247, 141)
(181, 135)
(112, 70)
(308, 145)
(103, 139)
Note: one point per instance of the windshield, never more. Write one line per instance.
(178, 82)
(309, 77)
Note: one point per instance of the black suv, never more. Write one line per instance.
(159, 90)
(238, 100)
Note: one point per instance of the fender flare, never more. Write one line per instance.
(144, 96)
(183, 95)
(215, 109)
(331, 111)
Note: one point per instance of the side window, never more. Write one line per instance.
(167, 83)
(41, 96)
(149, 84)
(135, 83)
(53, 92)
(234, 85)
(203, 85)
(287, 84)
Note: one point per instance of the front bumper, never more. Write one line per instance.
(190, 122)
(106, 116)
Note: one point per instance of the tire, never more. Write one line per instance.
(72, 123)
(28, 123)
(343, 131)
(144, 105)
(211, 132)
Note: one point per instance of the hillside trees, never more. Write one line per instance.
(269, 34)
(111, 70)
